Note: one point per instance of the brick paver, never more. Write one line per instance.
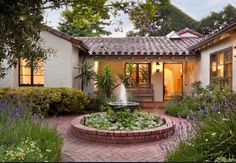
(79, 150)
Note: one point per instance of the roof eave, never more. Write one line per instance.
(67, 37)
(203, 43)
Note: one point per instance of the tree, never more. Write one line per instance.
(216, 21)
(75, 24)
(170, 18)
(21, 24)
(88, 18)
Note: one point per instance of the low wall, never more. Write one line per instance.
(121, 137)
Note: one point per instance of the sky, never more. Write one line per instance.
(197, 9)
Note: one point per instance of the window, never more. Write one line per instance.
(221, 65)
(141, 72)
(29, 76)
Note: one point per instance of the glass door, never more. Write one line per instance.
(173, 80)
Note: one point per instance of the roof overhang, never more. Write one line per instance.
(143, 57)
(215, 38)
(72, 40)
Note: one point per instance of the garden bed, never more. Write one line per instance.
(121, 137)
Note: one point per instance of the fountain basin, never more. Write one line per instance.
(121, 137)
(123, 105)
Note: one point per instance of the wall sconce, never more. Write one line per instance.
(158, 66)
(234, 51)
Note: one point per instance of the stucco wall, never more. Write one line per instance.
(59, 67)
(204, 64)
(190, 74)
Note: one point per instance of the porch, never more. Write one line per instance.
(155, 80)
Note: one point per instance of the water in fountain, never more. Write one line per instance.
(122, 100)
(122, 97)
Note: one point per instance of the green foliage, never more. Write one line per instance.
(127, 77)
(49, 101)
(105, 81)
(123, 119)
(24, 138)
(181, 106)
(86, 18)
(215, 21)
(223, 159)
(171, 19)
(213, 134)
(21, 24)
(201, 98)
(214, 137)
(86, 73)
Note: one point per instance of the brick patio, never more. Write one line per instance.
(79, 150)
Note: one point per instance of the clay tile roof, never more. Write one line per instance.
(187, 30)
(139, 45)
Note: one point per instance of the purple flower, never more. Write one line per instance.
(149, 27)
(158, 14)
(137, 19)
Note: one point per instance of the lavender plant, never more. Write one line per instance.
(213, 132)
(19, 125)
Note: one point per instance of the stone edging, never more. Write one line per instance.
(121, 137)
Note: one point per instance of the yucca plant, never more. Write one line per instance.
(86, 74)
(105, 81)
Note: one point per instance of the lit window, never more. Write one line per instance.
(221, 65)
(29, 76)
(141, 73)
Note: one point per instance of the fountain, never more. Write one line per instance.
(164, 126)
(122, 101)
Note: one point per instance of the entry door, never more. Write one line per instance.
(173, 80)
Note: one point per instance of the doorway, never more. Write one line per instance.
(173, 80)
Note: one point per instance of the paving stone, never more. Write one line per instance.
(78, 150)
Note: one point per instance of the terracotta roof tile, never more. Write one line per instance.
(186, 30)
(139, 45)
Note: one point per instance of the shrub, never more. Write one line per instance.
(105, 81)
(201, 98)
(24, 137)
(214, 135)
(181, 106)
(49, 101)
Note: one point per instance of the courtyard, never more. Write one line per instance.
(79, 150)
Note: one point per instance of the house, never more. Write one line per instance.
(164, 66)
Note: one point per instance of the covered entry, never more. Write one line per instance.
(173, 79)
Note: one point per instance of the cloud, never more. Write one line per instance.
(199, 9)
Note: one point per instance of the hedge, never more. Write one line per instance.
(48, 101)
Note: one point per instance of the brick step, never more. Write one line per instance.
(152, 105)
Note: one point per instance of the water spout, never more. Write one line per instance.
(122, 97)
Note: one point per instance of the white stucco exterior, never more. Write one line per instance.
(204, 64)
(58, 68)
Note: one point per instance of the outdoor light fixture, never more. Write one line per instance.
(158, 66)
(234, 51)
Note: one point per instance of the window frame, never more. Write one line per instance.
(137, 71)
(31, 76)
(216, 54)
